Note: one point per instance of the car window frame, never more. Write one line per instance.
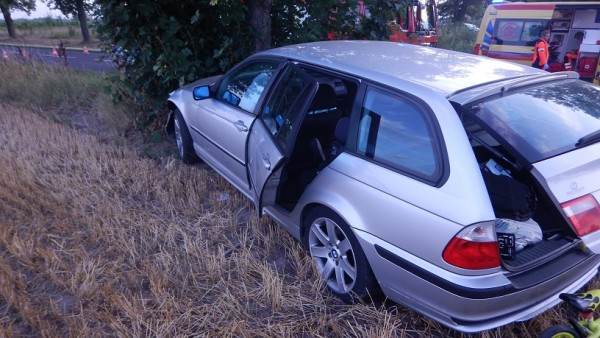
(282, 63)
(442, 173)
(309, 66)
(289, 146)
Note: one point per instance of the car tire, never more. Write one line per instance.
(560, 331)
(339, 259)
(183, 139)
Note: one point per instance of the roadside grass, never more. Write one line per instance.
(77, 98)
(97, 238)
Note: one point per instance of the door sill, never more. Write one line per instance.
(283, 218)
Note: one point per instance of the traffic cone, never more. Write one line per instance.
(54, 52)
(85, 50)
(4, 55)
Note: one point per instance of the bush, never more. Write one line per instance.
(457, 36)
(170, 43)
(167, 44)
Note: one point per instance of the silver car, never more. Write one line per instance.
(399, 168)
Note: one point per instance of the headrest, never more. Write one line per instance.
(325, 98)
(341, 129)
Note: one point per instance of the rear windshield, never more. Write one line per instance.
(546, 120)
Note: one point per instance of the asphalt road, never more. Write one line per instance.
(94, 61)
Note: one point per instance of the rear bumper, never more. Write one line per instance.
(469, 303)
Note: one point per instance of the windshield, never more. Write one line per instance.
(546, 120)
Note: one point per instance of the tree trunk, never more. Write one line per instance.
(460, 11)
(82, 16)
(260, 22)
(10, 25)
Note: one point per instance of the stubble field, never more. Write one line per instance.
(104, 233)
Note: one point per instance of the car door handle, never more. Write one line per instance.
(240, 126)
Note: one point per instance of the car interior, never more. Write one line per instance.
(321, 137)
(516, 195)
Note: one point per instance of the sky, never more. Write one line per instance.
(41, 11)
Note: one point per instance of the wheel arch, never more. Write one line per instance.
(348, 214)
(169, 124)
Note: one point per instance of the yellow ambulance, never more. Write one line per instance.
(509, 31)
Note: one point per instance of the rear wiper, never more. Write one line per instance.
(588, 139)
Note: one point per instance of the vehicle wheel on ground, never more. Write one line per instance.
(338, 256)
(560, 331)
(185, 147)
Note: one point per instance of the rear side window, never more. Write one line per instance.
(518, 32)
(397, 132)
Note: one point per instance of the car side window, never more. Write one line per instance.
(244, 86)
(395, 132)
(281, 111)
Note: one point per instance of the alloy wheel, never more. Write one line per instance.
(333, 255)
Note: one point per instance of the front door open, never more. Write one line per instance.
(274, 132)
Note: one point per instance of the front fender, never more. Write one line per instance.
(183, 97)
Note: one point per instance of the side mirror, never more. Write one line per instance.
(201, 93)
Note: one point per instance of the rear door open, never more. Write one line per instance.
(273, 133)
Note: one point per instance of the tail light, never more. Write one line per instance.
(475, 247)
(584, 214)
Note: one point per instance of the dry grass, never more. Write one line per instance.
(98, 239)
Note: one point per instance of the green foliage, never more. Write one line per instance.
(300, 21)
(163, 44)
(461, 10)
(23, 5)
(170, 43)
(382, 12)
(456, 36)
(70, 7)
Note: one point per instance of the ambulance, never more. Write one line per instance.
(509, 31)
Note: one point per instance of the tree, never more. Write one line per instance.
(162, 44)
(458, 10)
(7, 5)
(168, 43)
(259, 17)
(78, 8)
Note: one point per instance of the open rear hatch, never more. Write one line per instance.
(573, 180)
(538, 146)
(527, 201)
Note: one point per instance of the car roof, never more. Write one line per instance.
(398, 64)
